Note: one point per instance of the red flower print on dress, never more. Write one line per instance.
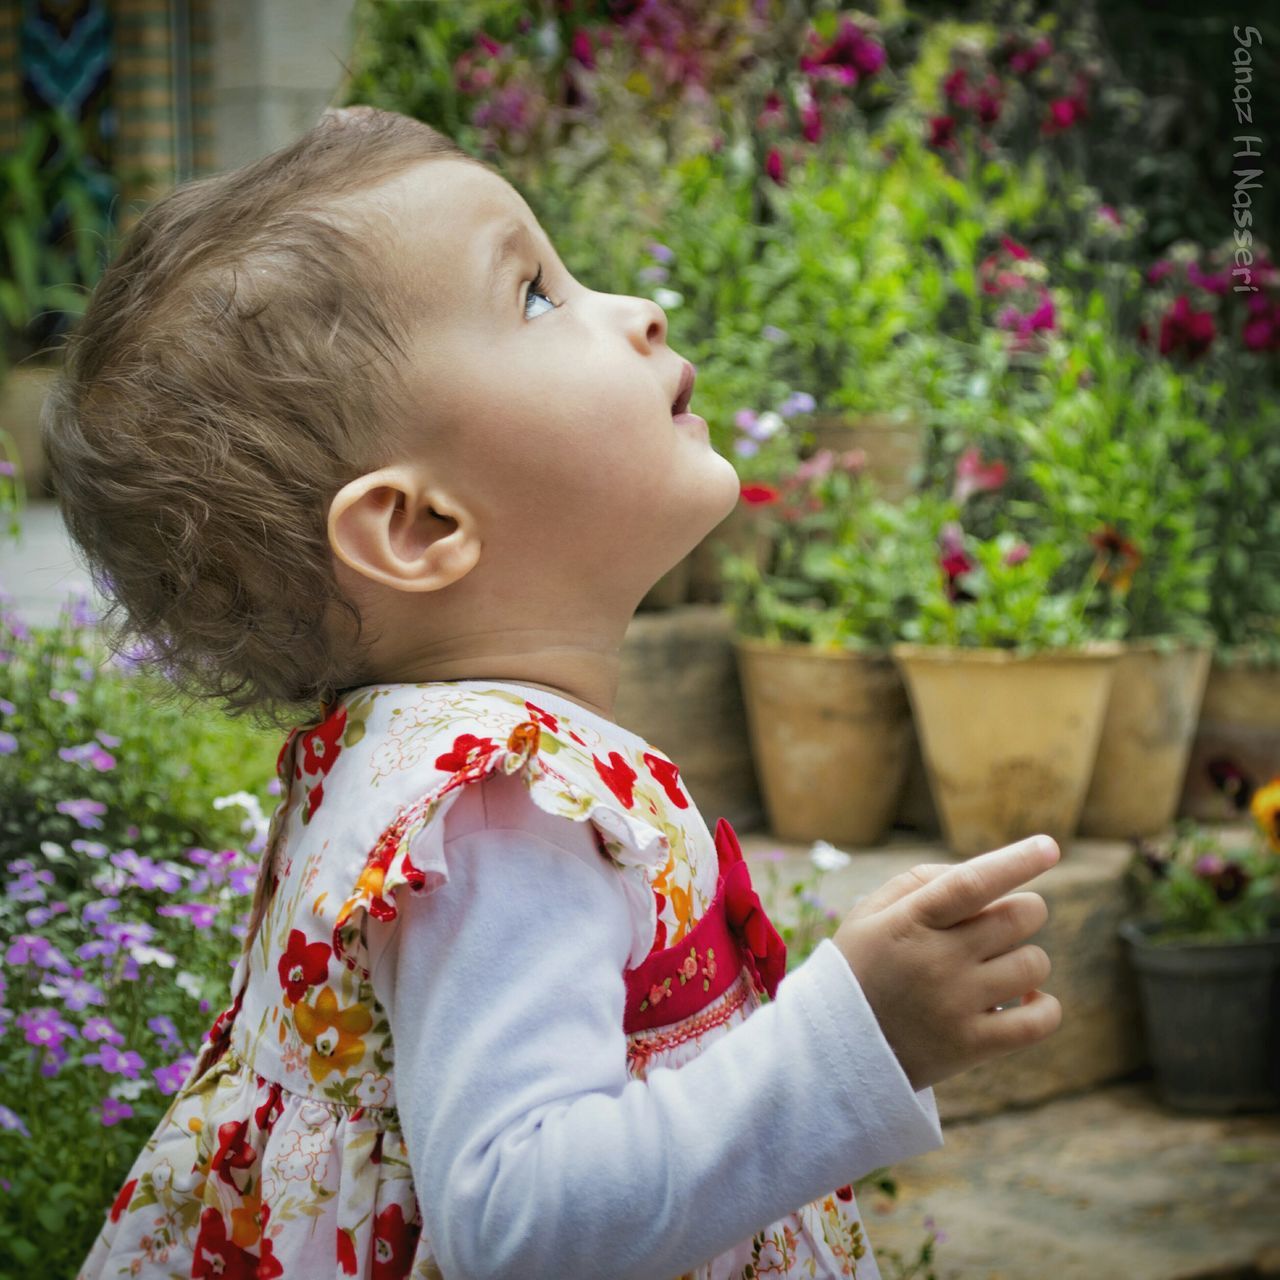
(543, 717)
(269, 1266)
(618, 776)
(271, 1109)
(122, 1200)
(320, 747)
(845, 1193)
(346, 1251)
(394, 1243)
(217, 1257)
(304, 964)
(468, 752)
(234, 1151)
(668, 775)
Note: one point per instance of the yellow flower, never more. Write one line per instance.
(1266, 809)
(333, 1033)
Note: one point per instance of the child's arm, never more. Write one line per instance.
(532, 1151)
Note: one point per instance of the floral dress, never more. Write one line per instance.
(282, 1154)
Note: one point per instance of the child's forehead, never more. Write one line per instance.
(457, 222)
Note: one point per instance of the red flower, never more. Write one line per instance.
(1184, 327)
(773, 165)
(811, 122)
(217, 1257)
(848, 58)
(668, 775)
(302, 965)
(989, 102)
(955, 562)
(468, 752)
(759, 495)
(1024, 59)
(942, 132)
(618, 776)
(394, 1244)
(320, 747)
(845, 1193)
(1118, 558)
(955, 88)
(121, 1202)
(234, 1151)
(269, 1266)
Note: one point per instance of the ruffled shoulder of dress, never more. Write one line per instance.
(476, 734)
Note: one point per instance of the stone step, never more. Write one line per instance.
(1109, 1185)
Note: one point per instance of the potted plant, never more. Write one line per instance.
(1206, 950)
(1119, 449)
(1008, 679)
(826, 709)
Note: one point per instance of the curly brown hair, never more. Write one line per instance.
(239, 362)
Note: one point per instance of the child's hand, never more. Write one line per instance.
(934, 952)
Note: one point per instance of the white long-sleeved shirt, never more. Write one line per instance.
(533, 1152)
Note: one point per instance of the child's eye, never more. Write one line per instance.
(535, 290)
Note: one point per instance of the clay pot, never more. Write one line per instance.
(1146, 740)
(1009, 740)
(894, 447)
(830, 733)
(1238, 734)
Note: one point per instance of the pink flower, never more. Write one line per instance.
(581, 49)
(773, 165)
(1026, 60)
(1017, 554)
(851, 56)
(1014, 249)
(955, 88)
(1262, 326)
(811, 119)
(1158, 270)
(975, 476)
(1215, 282)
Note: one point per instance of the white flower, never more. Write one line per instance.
(668, 299)
(144, 954)
(128, 1090)
(256, 822)
(54, 852)
(767, 424)
(827, 857)
(189, 983)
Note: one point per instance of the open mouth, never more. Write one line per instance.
(681, 403)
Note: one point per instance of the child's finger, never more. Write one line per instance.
(898, 887)
(969, 887)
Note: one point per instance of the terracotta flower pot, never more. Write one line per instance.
(1237, 741)
(830, 733)
(1008, 740)
(1146, 740)
(894, 448)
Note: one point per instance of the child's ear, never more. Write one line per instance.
(390, 528)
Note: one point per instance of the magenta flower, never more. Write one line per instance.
(851, 56)
(773, 165)
(45, 1027)
(1261, 327)
(171, 1078)
(580, 48)
(1218, 282)
(942, 132)
(1024, 60)
(116, 1062)
(1017, 554)
(100, 1028)
(1184, 328)
(1064, 113)
(1158, 270)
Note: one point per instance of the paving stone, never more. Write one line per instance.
(1108, 1185)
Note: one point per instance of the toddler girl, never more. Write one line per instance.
(347, 444)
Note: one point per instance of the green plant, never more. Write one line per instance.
(846, 569)
(1211, 883)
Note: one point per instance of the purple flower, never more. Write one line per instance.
(30, 948)
(162, 1027)
(660, 251)
(116, 1062)
(100, 1028)
(797, 402)
(653, 275)
(771, 333)
(745, 447)
(89, 754)
(95, 949)
(7, 707)
(146, 873)
(1210, 864)
(202, 914)
(11, 1120)
(27, 887)
(68, 696)
(113, 1111)
(92, 848)
(7, 468)
(77, 994)
(171, 1078)
(86, 812)
(8, 743)
(96, 912)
